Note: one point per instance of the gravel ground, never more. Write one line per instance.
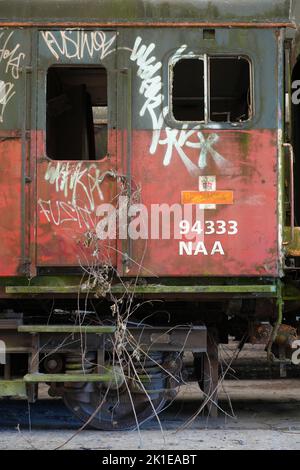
(266, 416)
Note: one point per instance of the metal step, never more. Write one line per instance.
(38, 378)
(150, 289)
(13, 388)
(66, 329)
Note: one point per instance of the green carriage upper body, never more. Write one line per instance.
(163, 11)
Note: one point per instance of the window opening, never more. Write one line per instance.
(188, 90)
(230, 99)
(223, 88)
(77, 113)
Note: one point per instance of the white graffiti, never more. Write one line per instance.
(179, 140)
(148, 71)
(60, 212)
(10, 59)
(176, 141)
(79, 44)
(6, 94)
(79, 183)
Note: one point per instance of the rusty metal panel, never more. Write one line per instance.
(251, 248)
(69, 192)
(15, 60)
(10, 206)
(171, 339)
(67, 215)
(161, 158)
(16, 343)
(154, 153)
(169, 158)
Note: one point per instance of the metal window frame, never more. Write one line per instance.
(206, 60)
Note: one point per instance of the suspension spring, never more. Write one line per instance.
(80, 364)
(148, 373)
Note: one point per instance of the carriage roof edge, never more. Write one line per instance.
(131, 12)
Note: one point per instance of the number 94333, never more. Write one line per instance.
(209, 227)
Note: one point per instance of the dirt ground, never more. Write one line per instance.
(267, 416)
(260, 414)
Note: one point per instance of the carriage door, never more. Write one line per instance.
(76, 145)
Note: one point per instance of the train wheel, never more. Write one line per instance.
(124, 404)
(119, 411)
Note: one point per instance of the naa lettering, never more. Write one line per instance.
(199, 248)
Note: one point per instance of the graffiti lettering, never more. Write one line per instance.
(78, 44)
(176, 141)
(10, 58)
(78, 182)
(151, 86)
(60, 212)
(6, 94)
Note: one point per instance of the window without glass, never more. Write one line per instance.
(76, 127)
(228, 84)
(188, 90)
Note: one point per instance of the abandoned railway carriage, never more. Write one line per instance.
(149, 161)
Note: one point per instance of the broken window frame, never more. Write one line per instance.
(207, 97)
